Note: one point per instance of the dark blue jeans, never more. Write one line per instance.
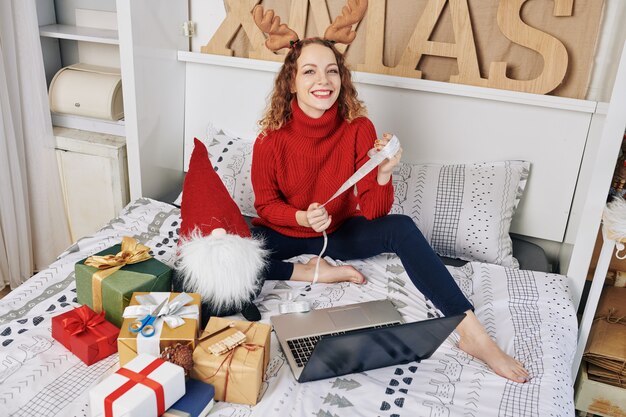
(359, 238)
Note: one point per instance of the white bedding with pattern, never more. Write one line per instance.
(529, 313)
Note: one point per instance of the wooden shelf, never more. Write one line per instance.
(79, 33)
(598, 398)
(506, 96)
(110, 127)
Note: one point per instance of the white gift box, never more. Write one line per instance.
(134, 396)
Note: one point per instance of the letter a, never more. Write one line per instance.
(464, 50)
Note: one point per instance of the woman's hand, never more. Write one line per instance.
(317, 217)
(386, 167)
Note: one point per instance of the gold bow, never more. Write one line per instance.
(132, 252)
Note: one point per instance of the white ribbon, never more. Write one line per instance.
(173, 313)
(376, 158)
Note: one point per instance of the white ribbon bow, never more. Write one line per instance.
(173, 313)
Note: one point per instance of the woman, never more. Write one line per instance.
(314, 137)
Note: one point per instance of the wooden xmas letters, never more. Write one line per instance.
(538, 46)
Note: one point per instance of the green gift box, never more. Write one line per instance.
(117, 289)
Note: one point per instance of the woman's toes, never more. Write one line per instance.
(358, 279)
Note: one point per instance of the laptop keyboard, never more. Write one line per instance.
(302, 347)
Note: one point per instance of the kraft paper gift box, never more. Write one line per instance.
(607, 340)
(86, 334)
(597, 373)
(179, 324)
(146, 387)
(236, 375)
(112, 293)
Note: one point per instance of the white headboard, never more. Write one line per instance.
(567, 141)
(436, 122)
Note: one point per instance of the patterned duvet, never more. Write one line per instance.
(528, 313)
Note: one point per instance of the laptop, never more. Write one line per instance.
(336, 341)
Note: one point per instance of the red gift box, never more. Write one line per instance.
(86, 334)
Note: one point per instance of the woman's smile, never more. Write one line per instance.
(318, 83)
(322, 94)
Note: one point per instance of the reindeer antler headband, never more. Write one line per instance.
(281, 36)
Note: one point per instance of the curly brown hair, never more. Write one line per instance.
(278, 111)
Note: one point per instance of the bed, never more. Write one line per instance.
(528, 310)
(530, 313)
(445, 129)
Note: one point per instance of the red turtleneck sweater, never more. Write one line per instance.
(306, 161)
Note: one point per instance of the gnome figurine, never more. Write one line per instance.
(217, 256)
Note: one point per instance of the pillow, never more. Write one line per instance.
(463, 211)
(231, 157)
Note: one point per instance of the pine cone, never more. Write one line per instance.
(179, 354)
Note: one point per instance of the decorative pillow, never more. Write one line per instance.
(232, 160)
(463, 211)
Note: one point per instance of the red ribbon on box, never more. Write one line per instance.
(135, 378)
(85, 320)
(86, 334)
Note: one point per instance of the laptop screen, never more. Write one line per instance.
(361, 350)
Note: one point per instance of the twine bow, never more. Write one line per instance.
(84, 320)
(611, 318)
(132, 252)
(250, 347)
(228, 359)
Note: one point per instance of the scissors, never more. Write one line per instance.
(145, 326)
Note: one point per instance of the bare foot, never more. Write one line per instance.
(327, 272)
(476, 342)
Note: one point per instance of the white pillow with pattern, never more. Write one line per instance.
(231, 157)
(464, 211)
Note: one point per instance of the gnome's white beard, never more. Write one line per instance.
(224, 269)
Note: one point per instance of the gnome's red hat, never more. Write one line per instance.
(217, 258)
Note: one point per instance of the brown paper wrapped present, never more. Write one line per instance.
(237, 374)
(607, 341)
(597, 373)
(128, 343)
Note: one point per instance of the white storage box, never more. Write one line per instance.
(89, 91)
